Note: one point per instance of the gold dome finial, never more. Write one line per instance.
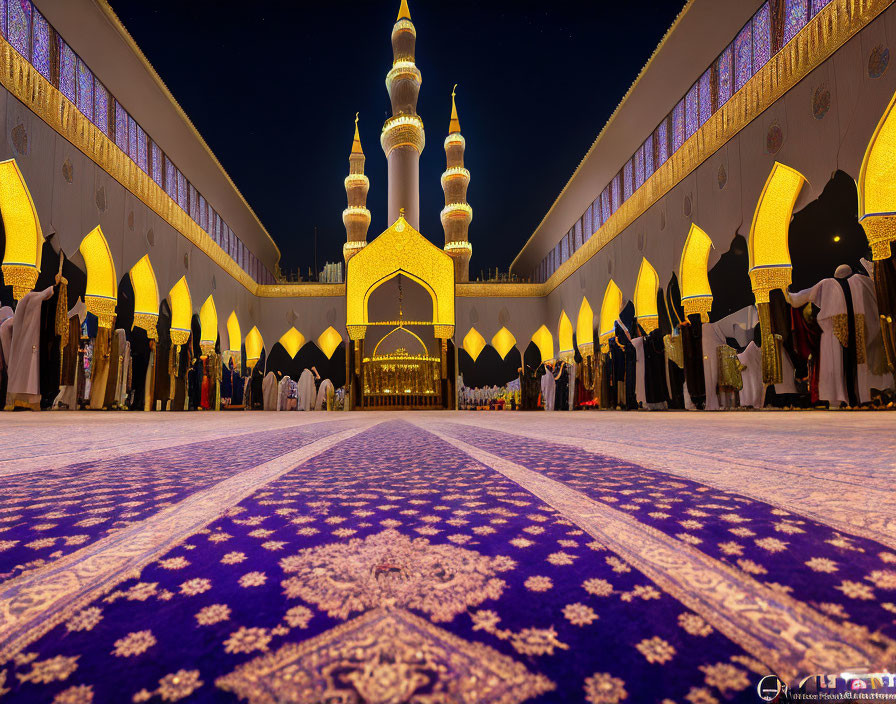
(356, 144)
(403, 12)
(454, 126)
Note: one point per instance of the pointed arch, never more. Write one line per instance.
(146, 296)
(102, 283)
(234, 335)
(292, 341)
(877, 186)
(181, 312)
(329, 341)
(24, 237)
(474, 343)
(768, 247)
(208, 325)
(503, 342)
(544, 341)
(565, 346)
(254, 347)
(585, 328)
(696, 294)
(610, 309)
(646, 287)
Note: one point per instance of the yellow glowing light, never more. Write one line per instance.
(646, 288)
(400, 250)
(208, 323)
(102, 284)
(564, 335)
(403, 12)
(181, 311)
(610, 310)
(329, 341)
(836, 238)
(453, 209)
(254, 346)
(292, 341)
(474, 343)
(693, 272)
(769, 251)
(234, 336)
(585, 324)
(24, 239)
(503, 342)
(877, 177)
(544, 341)
(452, 246)
(146, 296)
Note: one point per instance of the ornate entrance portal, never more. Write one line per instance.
(400, 318)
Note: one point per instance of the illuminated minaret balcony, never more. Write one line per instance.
(403, 137)
(356, 217)
(457, 214)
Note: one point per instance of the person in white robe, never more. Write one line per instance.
(23, 387)
(640, 371)
(830, 298)
(269, 391)
(282, 393)
(753, 393)
(307, 391)
(548, 387)
(324, 392)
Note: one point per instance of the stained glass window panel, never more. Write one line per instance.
(155, 153)
(579, 237)
(588, 223)
(627, 180)
(596, 215)
(142, 160)
(194, 204)
(648, 158)
(639, 168)
(704, 92)
(662, 143)
(216, 228)
(85, 90)
(68, 69)
(121, 127)
(19, 30)
(691, 112)
(101, 107)
(743, 57)
(725, 75)
(3, 25)
(181, 191)
(796, 14)
(40, 45)
(605, 205)
(203, 214)
(678, 127)
(564, 249)
(132, 138)
(762, 37)
(817, 5)
(616, 192)
(170, 179)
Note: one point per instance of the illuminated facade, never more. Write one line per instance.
(356, 217)
(457, 213)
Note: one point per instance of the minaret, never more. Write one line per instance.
(403, 137)
(356, 217)
(457, 214)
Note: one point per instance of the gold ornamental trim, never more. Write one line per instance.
(695, 305)
(823, 35)
(401, 131)
(302, 290)
(356, 332)
(482, 289)
(443, 332)
(649, 323)
(764, 280)
(22, 278)
(206, 347)
(881, 233)
(179, 337)
(103, 308)
(148, 322)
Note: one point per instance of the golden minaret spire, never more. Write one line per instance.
(457, 214)
(356, 217)
(403, 138)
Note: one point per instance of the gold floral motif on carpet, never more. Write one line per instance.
(392, 570)
(386, 656)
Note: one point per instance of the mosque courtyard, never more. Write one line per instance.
(442, 556)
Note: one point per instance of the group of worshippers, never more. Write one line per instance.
(825, 346)
(493, 398)
(309, 393)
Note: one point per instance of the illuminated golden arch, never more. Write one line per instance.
(693, 273)
(877, 186)
(610, 309)
(769, 251)
(646, 288)
(565, 346)
(292, 341)
(399, 250)
(208, 326)
(585, 328)
(254, 346)
(474, 343)
(24, 238)
(424, 351)
(146, 296)
(503, 342)
(181, 312)
(329, 341)
(102, 283)
(234, 335)
(544, 341)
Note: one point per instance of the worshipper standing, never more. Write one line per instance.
(561, 387)
(845, 304)
(617, 373)
(548, 387)
(283, 393)
(656, 392)
(752, 394)
(23, 386)
(324, 400)
(53, 327)
(807, 345)
(307, 390)
(630, 375)
(269, 391)
(640, 372)
(692, 347)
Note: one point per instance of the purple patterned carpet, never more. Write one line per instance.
(394, 564)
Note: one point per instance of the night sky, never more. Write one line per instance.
(273, 87)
